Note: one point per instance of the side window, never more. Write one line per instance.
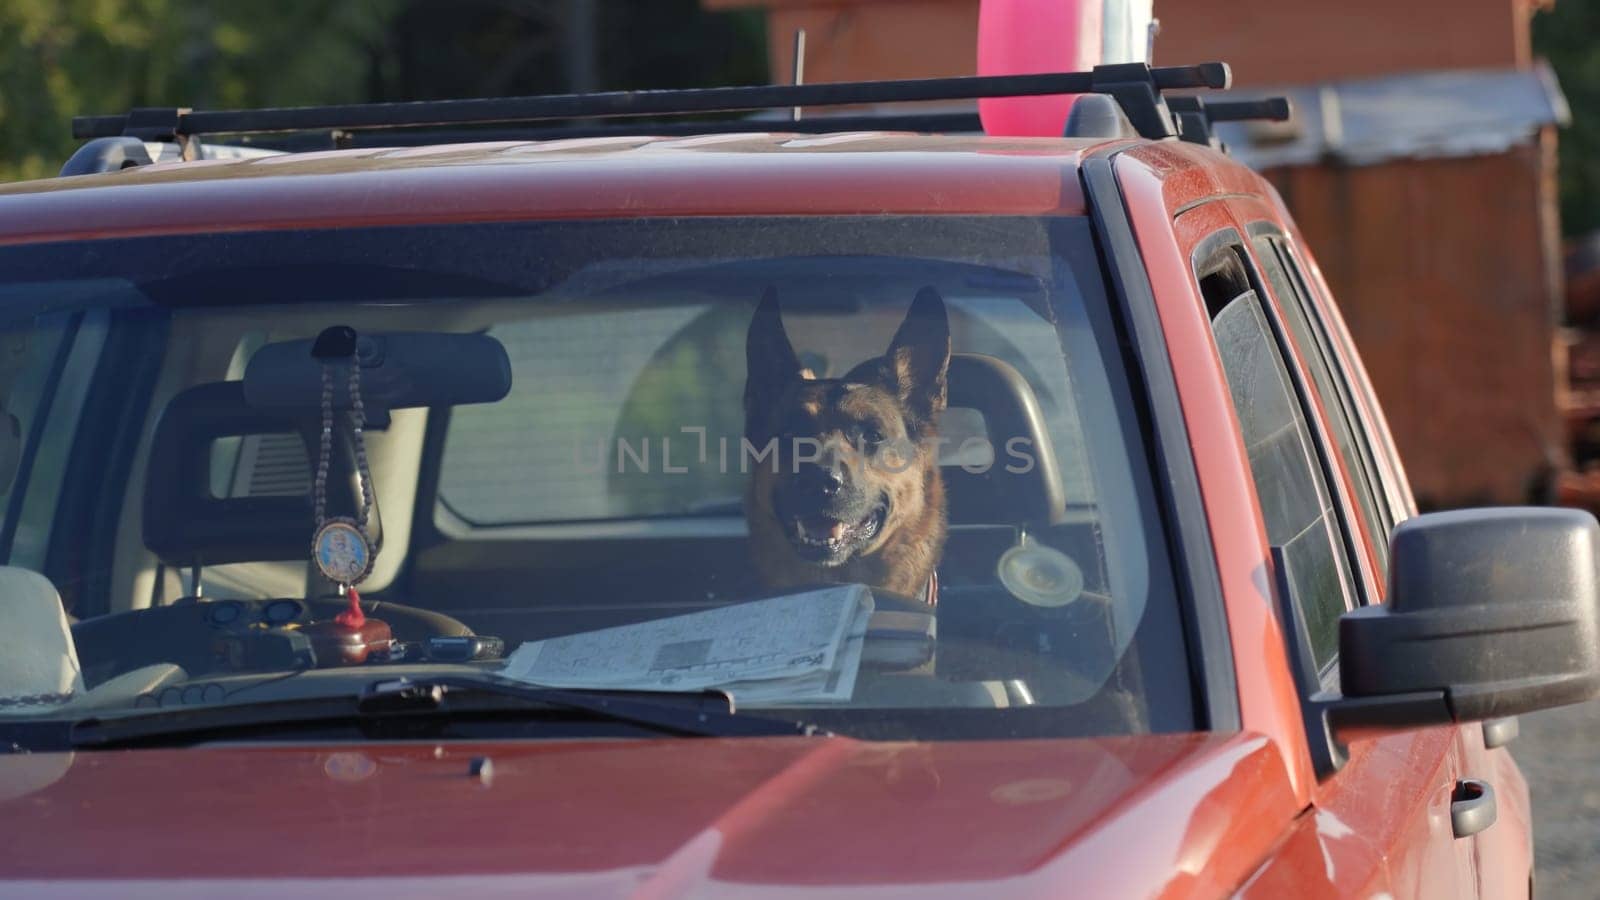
(60, 355)
(1398, 504)
(1355, 453)
(1295, 502)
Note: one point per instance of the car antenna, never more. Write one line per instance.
(799, 67)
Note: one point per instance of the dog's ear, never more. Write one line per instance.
(919, 358)
(770, 360)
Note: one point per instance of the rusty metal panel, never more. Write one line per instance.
(1441, 269)
(1463, 112)
(1278, 42)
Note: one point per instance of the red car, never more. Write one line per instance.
(378, 522)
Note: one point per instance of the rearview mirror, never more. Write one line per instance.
(398, 371)
(1490, 613)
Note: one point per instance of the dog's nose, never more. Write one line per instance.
(832, 480)
(825, 480)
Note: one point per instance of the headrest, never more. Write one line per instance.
(1034, 494)
(185, 524)
(39, 668)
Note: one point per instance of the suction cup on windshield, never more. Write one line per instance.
(1039, 575)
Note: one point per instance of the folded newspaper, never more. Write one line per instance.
(799, 648)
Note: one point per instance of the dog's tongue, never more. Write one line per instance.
(823, 529)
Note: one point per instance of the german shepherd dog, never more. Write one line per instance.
(853, 492)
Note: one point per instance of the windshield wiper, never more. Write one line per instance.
(700, 714)
(711, 715)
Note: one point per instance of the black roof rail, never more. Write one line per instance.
(299, 141)
(1094, 115)
(108, 154)
(1137, 87)
(1195, 115)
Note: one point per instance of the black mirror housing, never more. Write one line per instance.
(1490, 613)
(402, 370)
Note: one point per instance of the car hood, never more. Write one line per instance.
(655, 818)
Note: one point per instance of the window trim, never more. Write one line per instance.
(1396, 490)
(1326, 756)
(34, 437)
(1373, 588)
(1183, 516)
(1372, 471)
(1367, 588)
(89, 503)
(1228, 240)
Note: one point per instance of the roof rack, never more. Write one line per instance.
(1137, 87)
(1195, 115)
(1129, 101)
(1193, 124)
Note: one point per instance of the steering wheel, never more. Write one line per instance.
(187, 633)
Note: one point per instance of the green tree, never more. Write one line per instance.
(76, 57)
(1568, 34)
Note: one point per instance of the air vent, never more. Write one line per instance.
(277, 466)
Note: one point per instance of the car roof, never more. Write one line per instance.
(735, 174)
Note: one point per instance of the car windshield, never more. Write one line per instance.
(879, 472)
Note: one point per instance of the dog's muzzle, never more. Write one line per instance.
(830, 541)
(827, 518)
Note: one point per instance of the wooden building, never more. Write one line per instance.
(1422, 172)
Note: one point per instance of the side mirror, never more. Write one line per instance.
(1490, 613)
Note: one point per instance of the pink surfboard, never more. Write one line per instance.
(1018, 37)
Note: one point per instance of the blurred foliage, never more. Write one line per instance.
(74, 57)
(1568, 34)
(71, 57)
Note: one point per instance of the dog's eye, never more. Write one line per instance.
(872, 437)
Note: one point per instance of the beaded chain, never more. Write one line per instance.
(358, 422)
